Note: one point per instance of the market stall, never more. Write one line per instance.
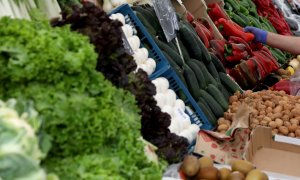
(147, 90)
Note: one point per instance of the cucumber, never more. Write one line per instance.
(191, 81)
(225, 92)
(212, 103)
(229, 84)
(181, 95)
(176, 68)
(144, 21)
(208, 113)
(217, 94)
(189, 42)
(213, 71)
(198, 73)
(172, 44)
(218, 64)
(184, 51)
(208, 77)
(153, 18)
(173, 54)
(205, 53)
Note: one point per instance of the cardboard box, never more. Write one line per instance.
(198, 9)
(273, 156)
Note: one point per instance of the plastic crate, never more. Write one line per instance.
(196, 115)
(155, 53)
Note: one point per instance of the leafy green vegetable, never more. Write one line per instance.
(118, 67)
(20, 155)
(87, 118)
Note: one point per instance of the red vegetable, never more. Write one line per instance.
(234, 39)
(208, 26)
(229, 28)
(215, 12)
(201, 33)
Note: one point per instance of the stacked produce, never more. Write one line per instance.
(167, 101)
(193, 168)
(267, 9)
(247, 62)
(274, 109)
(291, 17)
(244, 13)
(201, 72)
(94, 128)
(140, 54)
(119, 68)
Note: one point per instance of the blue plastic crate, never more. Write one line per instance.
(155, 53)
(197, 116)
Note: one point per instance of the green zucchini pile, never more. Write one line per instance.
(202, 72)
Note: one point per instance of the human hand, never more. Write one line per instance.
(260, 35)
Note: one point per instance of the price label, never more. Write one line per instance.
(167, 17)
(126, 45)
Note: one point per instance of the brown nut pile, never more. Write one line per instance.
(274, 109)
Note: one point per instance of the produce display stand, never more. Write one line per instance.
(232, 106)
(163, 68)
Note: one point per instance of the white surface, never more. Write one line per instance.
(288, 140)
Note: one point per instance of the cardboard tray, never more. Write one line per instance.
(273, 156)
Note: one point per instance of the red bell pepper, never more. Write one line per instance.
(247, 73)
(271, 59)
(229, 29)
(256, 46)
(236, 74)
(266, 62)
(253, 67)
(260, 69)
(208, 26)
(218, 45)
(234, 39)
(215, 12)
(201, 33)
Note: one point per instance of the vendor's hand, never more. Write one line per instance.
(260, 35)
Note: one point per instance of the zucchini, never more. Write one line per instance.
(208, 113)
(213, 71)
(173, 54)
(217, 94)
(229, 84)
(212, 103)
(198, 73)
(218, 64)
(191, 81)
(208, 77)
